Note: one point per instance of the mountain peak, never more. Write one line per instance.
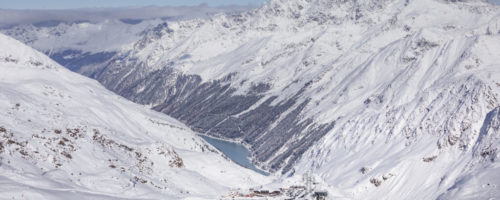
(326, 4)
(320, 10)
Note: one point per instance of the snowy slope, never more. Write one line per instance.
(284, 76)
(378, 99)
(64, 136)
(418, 117)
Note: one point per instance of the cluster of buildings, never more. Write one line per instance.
(293, 192)
(303, 192)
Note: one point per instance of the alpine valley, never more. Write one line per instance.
(65, 136)
(373, 99)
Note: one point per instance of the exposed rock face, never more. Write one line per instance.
(488, 140)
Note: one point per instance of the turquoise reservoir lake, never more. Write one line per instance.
(236, 152)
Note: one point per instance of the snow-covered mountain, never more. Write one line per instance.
(281, 77)
(63, 136)
(378, 99)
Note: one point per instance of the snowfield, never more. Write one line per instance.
(64, 136)
(389, 99)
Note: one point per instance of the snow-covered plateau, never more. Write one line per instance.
(374, 99)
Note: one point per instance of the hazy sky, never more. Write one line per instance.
(65, 4)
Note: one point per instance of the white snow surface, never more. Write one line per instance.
(64, 136)
(413, 87)
(409, 85)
